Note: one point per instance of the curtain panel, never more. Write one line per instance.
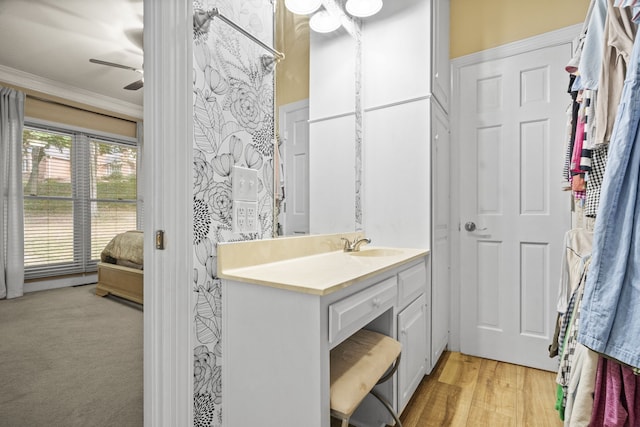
(11, 192)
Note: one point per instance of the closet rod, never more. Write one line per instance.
(201, 20)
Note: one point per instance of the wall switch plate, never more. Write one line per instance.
(244, 184)
(244, 217)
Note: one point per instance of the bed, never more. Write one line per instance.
(120, 270)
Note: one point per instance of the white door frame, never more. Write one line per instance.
(168, 162)
(553, 38)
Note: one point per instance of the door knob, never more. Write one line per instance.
(471, 226)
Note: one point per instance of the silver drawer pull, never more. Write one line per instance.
(376, 302)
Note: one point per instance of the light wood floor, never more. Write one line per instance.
(465, 391)
(470, 391)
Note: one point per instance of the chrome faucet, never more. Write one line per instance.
(355, 245)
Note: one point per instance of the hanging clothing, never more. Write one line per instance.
(610, 319)
(589, 99)
(570, 326)
(577, 249)
(594, 181)
(591, 58)
(617, 395)
(579, 391)
(572, 121)
(568, 144)
(572, 65)
(577, 146)
(633, 4)
(578, 184)
(572, 358)
(619, 33)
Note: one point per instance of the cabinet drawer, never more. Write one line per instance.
(352, 313)
(411, 283)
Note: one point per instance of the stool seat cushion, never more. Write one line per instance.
(356, 366)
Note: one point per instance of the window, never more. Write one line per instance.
(79, 191)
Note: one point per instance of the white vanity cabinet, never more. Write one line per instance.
(277, 337)
(411, 313)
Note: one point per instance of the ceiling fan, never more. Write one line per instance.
(132, 86)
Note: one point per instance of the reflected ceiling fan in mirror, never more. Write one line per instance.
(132, 86)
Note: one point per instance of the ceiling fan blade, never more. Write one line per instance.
(113, 64)
(135, 85)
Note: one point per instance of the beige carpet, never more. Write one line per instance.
(70, 358)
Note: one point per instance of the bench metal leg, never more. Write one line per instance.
(388, 406)
(384, 401)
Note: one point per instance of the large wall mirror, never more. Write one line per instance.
(318, 123)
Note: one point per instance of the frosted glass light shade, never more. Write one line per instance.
(324, 22)
(363, 8)
(302, 7)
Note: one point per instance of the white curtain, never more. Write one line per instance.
(11, 193)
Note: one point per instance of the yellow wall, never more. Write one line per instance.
(292, 39)
(482, 24)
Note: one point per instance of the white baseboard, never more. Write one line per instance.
(63, 282)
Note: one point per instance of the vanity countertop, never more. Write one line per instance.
(318, 272)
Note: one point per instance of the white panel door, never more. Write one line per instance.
(512, 143)
(294, 127)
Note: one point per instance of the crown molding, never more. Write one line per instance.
(71, 93)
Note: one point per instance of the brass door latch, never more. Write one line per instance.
(159, 239)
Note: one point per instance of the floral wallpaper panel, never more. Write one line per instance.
(233, 82)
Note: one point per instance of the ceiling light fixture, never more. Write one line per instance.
(302, 7)
(324, 22)
(363, 8)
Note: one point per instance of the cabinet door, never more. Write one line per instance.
(440, 266)
(412, 334)
(441, 80)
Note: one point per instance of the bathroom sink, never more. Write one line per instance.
(377, 252)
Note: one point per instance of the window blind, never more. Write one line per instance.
(113, 192)
(79, 191)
